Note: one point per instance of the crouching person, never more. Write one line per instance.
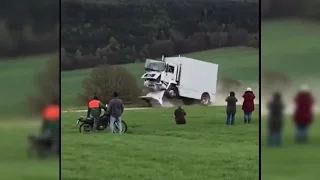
(275, 120)
(303, 114)
(179, 115)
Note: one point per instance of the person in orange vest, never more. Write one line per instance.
(94, 110)
(51, 126)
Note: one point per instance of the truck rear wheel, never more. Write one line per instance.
(205, 99)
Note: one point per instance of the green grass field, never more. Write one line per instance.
(292, 161)
(292, 47)
(155, 148)
(17, 79)
(239, 63)
(15, 164)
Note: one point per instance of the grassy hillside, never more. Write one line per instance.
(17, 78)
(291, 47)
(240, 63)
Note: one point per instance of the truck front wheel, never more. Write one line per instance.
(205, 99)
(172, 92)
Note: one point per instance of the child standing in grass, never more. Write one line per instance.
(231, 108)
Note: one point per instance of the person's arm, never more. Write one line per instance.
(236, 99)
(184, 112)
(88, 112)
(109, 107)
(269, 104)
(102, 106)
(44, 126)
(122, 107)
(311, 99)
(282, 106)
(227, 99)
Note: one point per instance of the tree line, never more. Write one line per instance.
(29, 27)
(308, 9)
(95, 34)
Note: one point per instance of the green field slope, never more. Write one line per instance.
(291, 47)
(239, 63)
(155, 148)
(17, 83)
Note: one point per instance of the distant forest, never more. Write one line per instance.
(94, 34)
(29, 27)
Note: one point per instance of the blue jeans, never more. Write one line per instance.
(274, 139)
(115, 121)
(302, 133)
(230, 119)
(247, 117)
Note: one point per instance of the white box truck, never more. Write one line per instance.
(180, 77)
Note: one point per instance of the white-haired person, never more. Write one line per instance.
(303, 114)
(248, 105)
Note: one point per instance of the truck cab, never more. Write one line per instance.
(159, 74)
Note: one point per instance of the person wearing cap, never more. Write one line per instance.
(94, 110)
(303, 115)
(248, 105)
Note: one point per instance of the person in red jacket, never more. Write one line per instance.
(303, 114)
(248, 105)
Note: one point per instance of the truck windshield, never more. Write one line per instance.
(152, 65)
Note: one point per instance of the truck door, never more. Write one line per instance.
(170, 73)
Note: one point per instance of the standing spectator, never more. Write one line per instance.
(303, 114)
(179, 115)
(248, 105)
(231, 108)
(275, 120)
(115, 109)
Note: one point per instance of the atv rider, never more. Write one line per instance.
(94, 109)
(50, 130)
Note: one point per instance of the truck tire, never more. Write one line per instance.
(172, 92)
(205, 99)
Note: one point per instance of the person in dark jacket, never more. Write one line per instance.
(248, 105)
(179, 115)
(303, 115)
(275, 120)
(115, 110)
(231, 108)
